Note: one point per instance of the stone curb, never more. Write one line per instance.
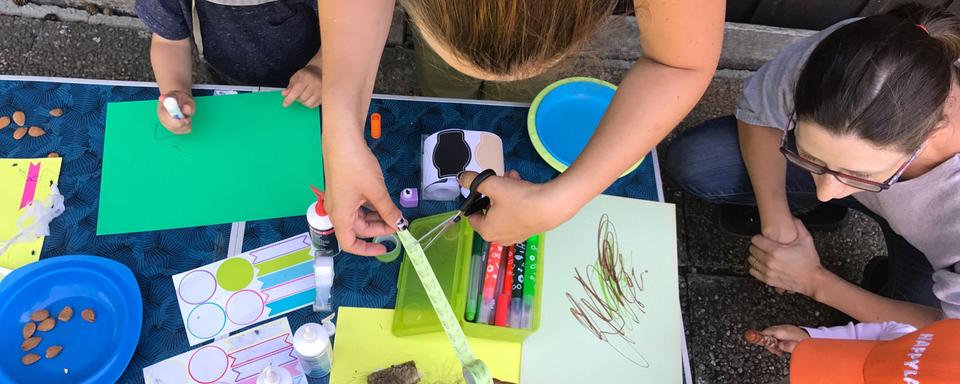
(745, 46)
(36, 11)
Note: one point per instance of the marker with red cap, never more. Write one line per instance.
(491, 278)
(323, 239)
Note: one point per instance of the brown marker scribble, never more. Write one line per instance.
(612, 306)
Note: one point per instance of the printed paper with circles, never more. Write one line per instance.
(253, 286)
(236, 360)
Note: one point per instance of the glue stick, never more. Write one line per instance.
(312, 343)
(323, 239)
(274, 375)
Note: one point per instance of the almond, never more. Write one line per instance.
(88, 315)
(30, 358)
(29, 329)
(19, 133)
(36, 132)
(47, 324)
(56, 112)
(40, 315)
(53, 351)
(30, 343)
(4, 122)
(66, 313)
(20, 118)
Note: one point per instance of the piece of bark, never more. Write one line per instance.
(405, 373)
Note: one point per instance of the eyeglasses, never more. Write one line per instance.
(853, 181)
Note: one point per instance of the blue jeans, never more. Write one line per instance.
(705, 161)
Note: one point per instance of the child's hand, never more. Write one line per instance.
(304, 86)
(789, 336)
(187, 106)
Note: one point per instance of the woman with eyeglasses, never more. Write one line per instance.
(863, 114)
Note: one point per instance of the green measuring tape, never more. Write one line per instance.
(474, 371)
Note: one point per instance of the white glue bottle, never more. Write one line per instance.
(312, 343)
(323, 239)
(274, 375)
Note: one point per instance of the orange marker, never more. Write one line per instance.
(375, 125)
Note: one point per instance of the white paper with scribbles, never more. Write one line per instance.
(611, 306)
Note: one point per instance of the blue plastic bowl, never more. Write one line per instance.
(563, 117)
(95, 352)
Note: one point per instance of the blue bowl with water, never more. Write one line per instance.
(95, 352)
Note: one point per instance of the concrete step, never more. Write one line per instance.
(745, 46)
(123, 14)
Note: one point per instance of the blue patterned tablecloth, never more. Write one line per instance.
(155, 256)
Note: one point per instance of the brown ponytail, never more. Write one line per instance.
(938, 23)
(884, 78)
(509, 37)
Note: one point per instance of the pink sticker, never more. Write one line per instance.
(30, 187)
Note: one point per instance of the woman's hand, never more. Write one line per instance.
(354, 181)
(789, 336)
(793, 267)
(518, 209)
(782, 229)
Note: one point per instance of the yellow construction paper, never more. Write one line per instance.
(13, 178)
(364, 344)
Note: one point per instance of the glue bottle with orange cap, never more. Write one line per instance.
(323, 238)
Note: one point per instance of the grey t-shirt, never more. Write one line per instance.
(767, 98)
(924, 210)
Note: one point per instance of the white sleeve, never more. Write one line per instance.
(888, 330)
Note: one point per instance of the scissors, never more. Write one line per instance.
(474, 203)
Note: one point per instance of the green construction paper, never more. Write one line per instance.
(248, 158)
(626, 327)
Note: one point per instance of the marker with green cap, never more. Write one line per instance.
(530, 280)
(514, 319)
(476, 271)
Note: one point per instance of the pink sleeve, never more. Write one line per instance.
(862, 331)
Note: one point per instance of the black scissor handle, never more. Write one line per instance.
(476, 201)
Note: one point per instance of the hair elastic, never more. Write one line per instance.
(923, 28)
